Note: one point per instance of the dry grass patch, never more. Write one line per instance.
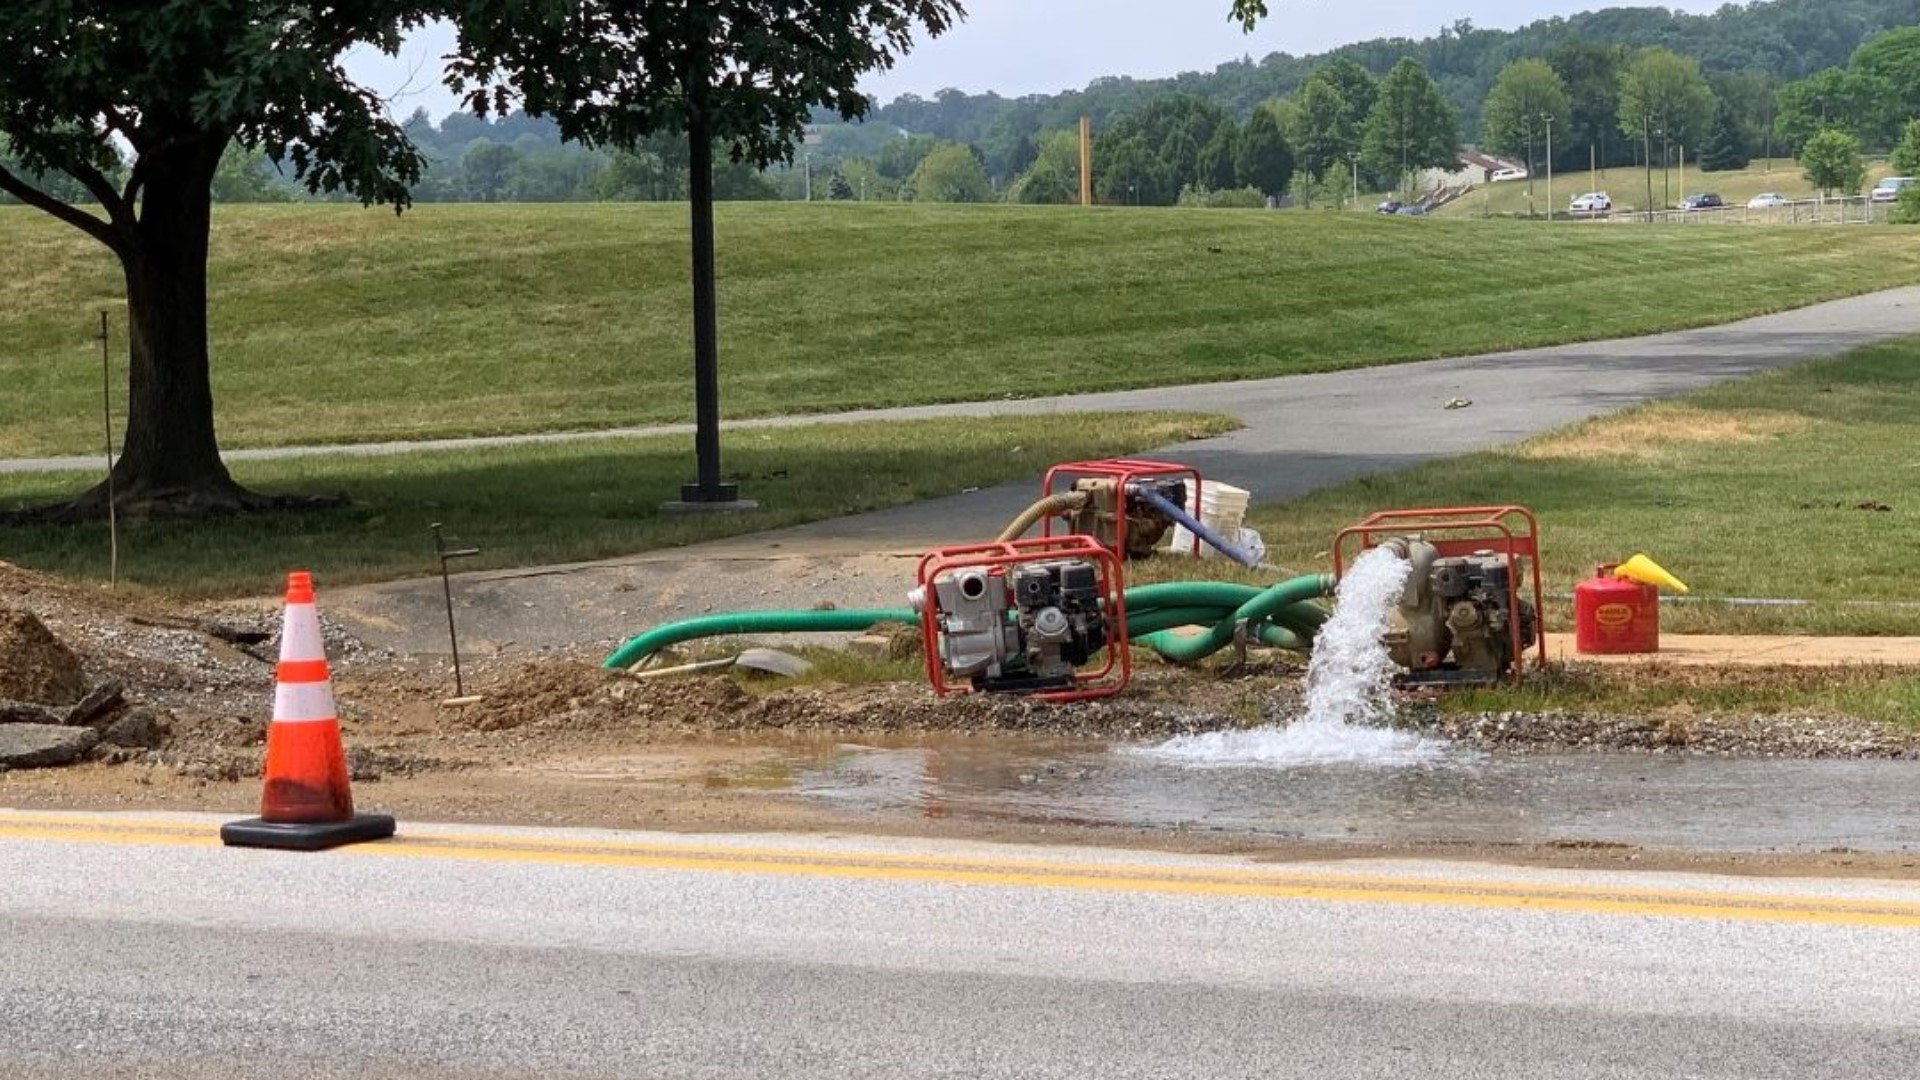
(1648, 433)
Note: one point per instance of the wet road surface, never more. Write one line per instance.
(1679, 802)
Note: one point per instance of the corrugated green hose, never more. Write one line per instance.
(1282, 616)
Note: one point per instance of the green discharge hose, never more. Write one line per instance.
(754, 622)
(1283, 616)
(1185, 649)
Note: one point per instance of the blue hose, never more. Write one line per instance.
(1179, 514)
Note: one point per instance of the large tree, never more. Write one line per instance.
(1726, 147)
(1174, 128)
(1332, 117)
(1263, 159)
(1216, 162)
(1847, 99)
(175, 82)
(1832, 162)
(1906, 155)
(951, 174)
(1527, 97)
(1892, 59)
(1664, 96)
(1591, 73)
(1411, 126)
(1663, 101)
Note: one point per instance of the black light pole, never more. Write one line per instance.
(707, 492)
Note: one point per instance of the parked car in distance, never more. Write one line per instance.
(1593, 202)
(1705, 200)
(1889, 190)
(1391, 206)
(1411, 210)
(1767, 200)
(1498, 175)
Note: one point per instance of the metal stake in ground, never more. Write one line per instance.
(106, 413)
(446, 588)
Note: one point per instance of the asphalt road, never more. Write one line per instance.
(139, 948)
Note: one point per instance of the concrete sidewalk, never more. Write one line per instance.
(1302, 433)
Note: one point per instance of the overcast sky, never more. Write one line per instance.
(1019, 47)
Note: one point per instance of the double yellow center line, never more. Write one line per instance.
(1138, 878)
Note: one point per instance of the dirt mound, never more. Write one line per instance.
(18, 584)
(581, 698)
(35, 666)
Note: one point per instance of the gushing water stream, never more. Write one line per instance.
(1349, 689)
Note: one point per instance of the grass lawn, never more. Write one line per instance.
(1679, 694)
(1800, 484)
(534, 505)
(1628, 186)
(331, 323)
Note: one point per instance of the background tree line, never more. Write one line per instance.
(1746, 51)
(1620, 87)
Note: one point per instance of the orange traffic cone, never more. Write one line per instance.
(307, 802)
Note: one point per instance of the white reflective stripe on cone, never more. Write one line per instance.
(300, 634)
(298, 702)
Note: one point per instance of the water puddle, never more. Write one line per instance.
(1678, 803)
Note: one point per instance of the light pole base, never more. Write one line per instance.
(718, 499)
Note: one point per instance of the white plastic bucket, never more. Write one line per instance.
(1221, 508)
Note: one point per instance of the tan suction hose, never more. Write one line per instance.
(1065, 502)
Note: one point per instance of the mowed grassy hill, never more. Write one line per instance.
(333, 323)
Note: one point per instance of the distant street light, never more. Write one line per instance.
(1549, 119)
(809, 167)
(1353, 169)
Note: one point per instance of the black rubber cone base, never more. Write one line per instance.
(254, 832)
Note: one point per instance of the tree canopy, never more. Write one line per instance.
(1264, 160)
(1411, 126)
(950, 174)
(1664, 98)
(1526, 97)
(1334, 104)
(612, 72)
(1832, 162)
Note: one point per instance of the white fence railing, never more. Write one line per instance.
(1848, 210)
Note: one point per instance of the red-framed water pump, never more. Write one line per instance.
(1109, 516)
(1465, 616)
(1044, 616)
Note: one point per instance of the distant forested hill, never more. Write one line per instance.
(1784, 40)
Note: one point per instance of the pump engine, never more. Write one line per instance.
(1459, 620)
(1023, 628)
(1144, 526)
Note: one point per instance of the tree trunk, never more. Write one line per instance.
(169, 464)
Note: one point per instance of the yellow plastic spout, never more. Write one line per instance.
(1647, 572)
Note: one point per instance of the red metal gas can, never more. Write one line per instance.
(1614, 615)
